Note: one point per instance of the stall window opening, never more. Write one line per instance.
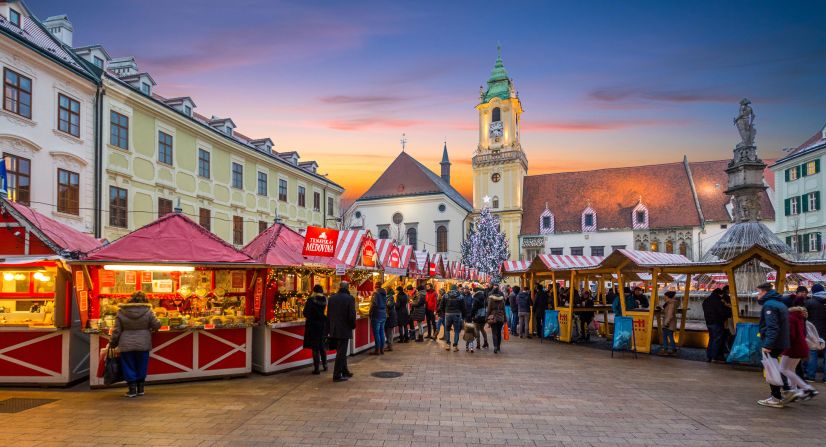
(18, 172)
(68, 192)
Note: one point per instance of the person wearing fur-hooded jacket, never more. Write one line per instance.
(132, 337)
(496, 317)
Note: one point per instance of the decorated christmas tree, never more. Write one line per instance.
(485, 247)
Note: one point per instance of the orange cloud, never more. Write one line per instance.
(373, 122)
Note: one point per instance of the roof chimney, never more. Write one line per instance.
(60, 27)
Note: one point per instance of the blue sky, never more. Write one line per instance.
(603, 83)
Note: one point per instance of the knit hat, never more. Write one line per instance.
(817, 288)
(671, 294)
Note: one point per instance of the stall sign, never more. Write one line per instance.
(162, 286)
(107, 278)
(642, 331)
(395, 271)
(83, 301)
(130, 277)
(80, 283)
(237, 280)
(432, 269)
(146, 277)
(259, 290)
(564, 325)
(394, 259)
(368, 253)
(341, 270)
(320, 242)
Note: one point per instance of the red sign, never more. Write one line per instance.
(146, 277)
(320, 242)
(107, 278)
(129, 277)
(259, 290)
(432, 269)
(368, 253)
(394, 259)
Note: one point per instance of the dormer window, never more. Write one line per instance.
(187, 110)
(14, 18)
(546, 221)
(146, 88)
(228, 130)
(589, 220)
(97, 61)
(639, 216)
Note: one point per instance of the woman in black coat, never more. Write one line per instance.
(403, 314)
(392, 319)
(316, 327)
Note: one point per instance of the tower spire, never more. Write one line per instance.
(445, 164)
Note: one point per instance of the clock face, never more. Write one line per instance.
(495, 129)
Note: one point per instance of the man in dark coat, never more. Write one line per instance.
(316, 327)
(540, 304)
(715, 315)
(392, 319)
(403, 315)
(341, 311)
(774, 335)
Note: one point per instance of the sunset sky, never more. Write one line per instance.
(602, 83)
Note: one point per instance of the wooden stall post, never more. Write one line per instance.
(686, 297)
(735, 305)
(780, 281)
(652, 306)
(556, 298)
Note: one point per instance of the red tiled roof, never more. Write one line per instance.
(172, 238)
(710, 180)
(612, 193)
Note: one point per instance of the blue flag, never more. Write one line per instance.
(4, 179)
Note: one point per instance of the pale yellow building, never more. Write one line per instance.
(499, 164)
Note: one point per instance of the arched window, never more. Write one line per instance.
(683, 249)
(669, 246)
(384, 234)
(655, 245)
(496, 115)
(495, 202)
(640, 246)
(441, 239)
(411, 237)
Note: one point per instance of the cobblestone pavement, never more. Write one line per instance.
(530, 395)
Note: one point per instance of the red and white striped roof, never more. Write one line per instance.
(421, 258)
(383, 247)
(642, 258)
(405, 253)
(440, 268)
(349, 243)
(569, 262)
(515, 266)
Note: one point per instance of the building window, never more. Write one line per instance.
(655, 245)
(17, 93)
(316, 201)
(411, 237)
(556, 251)
(68, 115)
(237, 176)
(302, 196)
(145, 88)
(811, 201)
(588, 220)
(119, 130)
(792, 173)
(68, 192)
(546, 222)
(792, 241)
(398, 218)
(640, 217)
(683, 248)
(164, 207)
(18, 172)
(205, 218)
(576, 251)
(669, 246)
(441, 239)
(598, 251)
(442, 208)
(793, 206)
(617, 247)
(496, 115)
(97, 61)
(384, 234)
(187, 110)
(164, 148)
(262, 226)
(203, 163)
(495, 177)
(813, 242)
(495, 202)
(330, 210)
(14, 18)
(262, 184)
(117, 207)
(237, 230)
(282, 190)
(812, 167)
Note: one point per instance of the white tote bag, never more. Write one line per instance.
(813, 338)
(772, 370)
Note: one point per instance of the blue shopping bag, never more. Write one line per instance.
(509, 315)
(551, 323)
(623, 331)
(746, 347)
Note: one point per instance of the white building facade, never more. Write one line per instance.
(47, 119)
(799, 187)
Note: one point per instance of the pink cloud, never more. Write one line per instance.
(373, 122)
(590, 126)
(361, 99)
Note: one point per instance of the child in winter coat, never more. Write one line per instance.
(470, 336)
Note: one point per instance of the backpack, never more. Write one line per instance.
(813, 338)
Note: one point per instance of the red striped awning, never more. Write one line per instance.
(383, 247)
(515, 266)
(405, 252)
(437, 260)
(421, 257)
(349, 243)
(569, 262)
(644, 258)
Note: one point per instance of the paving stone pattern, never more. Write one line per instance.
(530, 395)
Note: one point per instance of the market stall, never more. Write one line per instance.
(40, 338)
(278, 343)
(356, 255)
(206, 293)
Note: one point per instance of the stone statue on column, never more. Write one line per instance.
(745, 124)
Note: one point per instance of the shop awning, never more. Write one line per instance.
(383, 248)
(405, 252)
(173, 238)
(420, 260)
(280, 246)
(61, 238)
(348, 245)
(438, 264)
(515, 267)
(564, 262)
(650, 258)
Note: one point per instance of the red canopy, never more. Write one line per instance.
(172, 238)
(280, 246)
(60, 234)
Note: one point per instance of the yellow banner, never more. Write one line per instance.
(642, 331)
(565, 325)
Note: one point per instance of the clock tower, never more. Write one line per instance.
(499, 164)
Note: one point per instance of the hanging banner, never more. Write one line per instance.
(394, 258)
(259, 291)
(368, 253)
(80, 283)
(321, 242)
